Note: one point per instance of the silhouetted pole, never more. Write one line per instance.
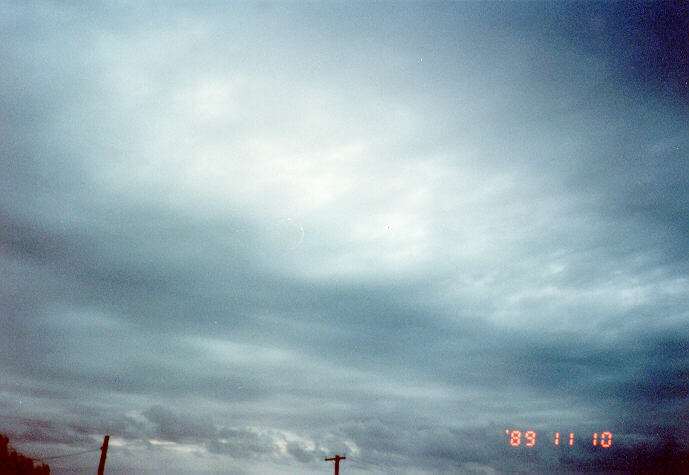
(336, 459)
(103, 454)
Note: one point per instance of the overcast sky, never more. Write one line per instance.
(242, 237)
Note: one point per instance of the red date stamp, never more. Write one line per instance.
(528, 438)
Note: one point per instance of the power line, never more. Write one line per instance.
(65, 455)
(377, 467)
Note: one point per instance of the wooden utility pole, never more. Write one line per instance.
(103, 454)
(336, 459)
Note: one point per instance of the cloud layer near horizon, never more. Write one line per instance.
(247, 237)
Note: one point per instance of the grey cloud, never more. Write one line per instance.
(242, 443)
(305, 454)
(175, 427)
(494, 211)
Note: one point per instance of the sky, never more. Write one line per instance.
(241, 237)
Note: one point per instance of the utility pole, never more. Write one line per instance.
(336, 459)
(103, 454)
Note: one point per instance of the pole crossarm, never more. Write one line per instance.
(336, 459)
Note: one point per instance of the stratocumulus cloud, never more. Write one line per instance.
(247, 237)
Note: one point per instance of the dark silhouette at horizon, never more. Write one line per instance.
(12, 462)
